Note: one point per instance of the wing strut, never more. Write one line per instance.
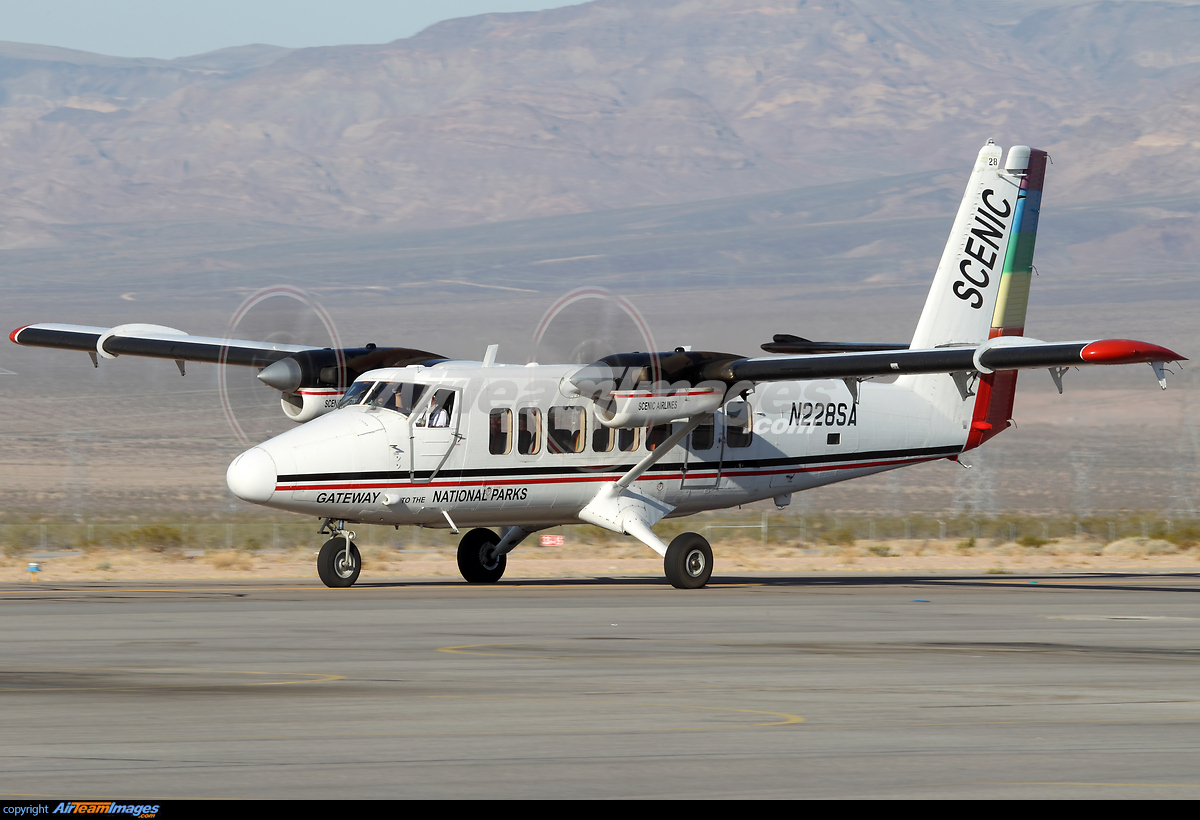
(619, 508)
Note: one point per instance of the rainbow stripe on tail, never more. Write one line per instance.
(1012, 299)
(996, 392)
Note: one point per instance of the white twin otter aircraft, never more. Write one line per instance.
(400, 436)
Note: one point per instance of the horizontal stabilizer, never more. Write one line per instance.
(787, 343)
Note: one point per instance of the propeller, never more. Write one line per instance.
(279, 314)
(299, 386)
(589, 323)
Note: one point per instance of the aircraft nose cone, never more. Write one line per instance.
(251, 476)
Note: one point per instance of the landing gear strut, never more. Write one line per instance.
(688, 562)
(338, 562)
(477, 558)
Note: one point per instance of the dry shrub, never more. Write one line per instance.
(377, 555)
(153, 537)
(842, 537)
(230, 559)
(1140, 547)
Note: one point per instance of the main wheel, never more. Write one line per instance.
(332, 566)
(688, 562)
(477, 559)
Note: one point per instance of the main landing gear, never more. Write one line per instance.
(688, 562)
(477, 558)
(338, 562)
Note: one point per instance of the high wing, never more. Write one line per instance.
(1000, 353)
(285, 367)
(154, 341)
(631, 370)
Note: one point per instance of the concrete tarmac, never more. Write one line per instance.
(837, 686)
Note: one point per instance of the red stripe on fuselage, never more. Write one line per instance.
(585, 479)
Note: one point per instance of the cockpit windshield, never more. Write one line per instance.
(400, 397)
(355, 393)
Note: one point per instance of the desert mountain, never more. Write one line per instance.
(613, 103)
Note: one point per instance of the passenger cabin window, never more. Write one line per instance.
(529, 431)
(603, 439)
(400, 397)
(500, 432)
(739, 429)
(704, 435)
(566, 430)
(627, 439)
(656, 435)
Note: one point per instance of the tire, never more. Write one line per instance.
(332, 567)
(688, 562)
(474, 563)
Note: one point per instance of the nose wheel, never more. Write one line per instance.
(336, 565)
(688, 562)
(477, 558)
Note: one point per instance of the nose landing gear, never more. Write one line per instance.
(338, 562)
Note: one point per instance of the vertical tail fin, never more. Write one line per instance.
(981, 289)
(982, 281)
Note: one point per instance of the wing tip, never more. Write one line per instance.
(1127, 351)
(13, 336)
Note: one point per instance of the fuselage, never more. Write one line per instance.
(474, 445)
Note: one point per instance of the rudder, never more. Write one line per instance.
(981, 289)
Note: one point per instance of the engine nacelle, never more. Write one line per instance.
(305, 405)
(643, 408)
(644, 389)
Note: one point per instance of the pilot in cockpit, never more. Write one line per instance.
(441, 415)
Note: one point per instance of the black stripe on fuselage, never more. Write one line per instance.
(728, 464)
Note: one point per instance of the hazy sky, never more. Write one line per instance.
(177, 28)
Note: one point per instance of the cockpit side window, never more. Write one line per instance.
(439, 411)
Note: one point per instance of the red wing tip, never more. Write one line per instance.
(13, 336)
(1127, 351)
